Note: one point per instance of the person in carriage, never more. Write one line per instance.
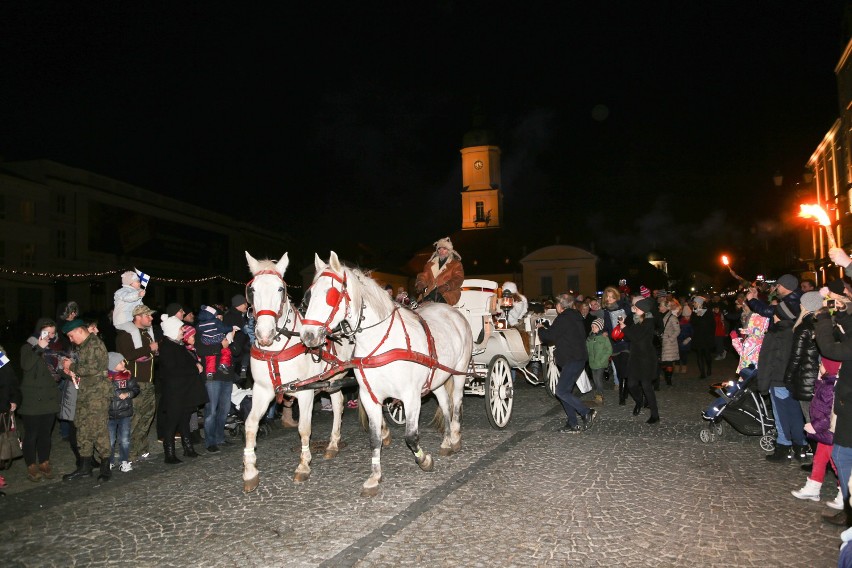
(442, 276)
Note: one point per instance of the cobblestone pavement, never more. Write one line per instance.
(623, 494)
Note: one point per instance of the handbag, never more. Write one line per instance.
(10, 443)
(583, 382)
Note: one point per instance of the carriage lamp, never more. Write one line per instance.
(507, 301)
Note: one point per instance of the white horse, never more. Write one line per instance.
(398, 354)
(277, 357)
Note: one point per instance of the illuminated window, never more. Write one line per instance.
(28, 255)
(61, 244)
(480, 211)
(27, 211)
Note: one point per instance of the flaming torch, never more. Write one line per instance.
(725, 260)
(817, 212)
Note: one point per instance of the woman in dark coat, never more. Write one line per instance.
(642, 367)
(181, 389)
(704, 337)
(803, 366)
(10, 397)
(40, 402)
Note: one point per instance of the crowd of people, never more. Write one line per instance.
(107, 389)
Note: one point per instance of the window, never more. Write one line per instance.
(547, 286)
(480, 211)
(60, 204)
(27, 211)
(28, 255)
(61, 244)
(573, 282)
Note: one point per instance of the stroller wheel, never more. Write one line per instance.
(767, 443)
(718, 429)
(705, 435)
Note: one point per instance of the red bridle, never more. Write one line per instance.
(259, 313)
(333, 297)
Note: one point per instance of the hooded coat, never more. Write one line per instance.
(446, 279)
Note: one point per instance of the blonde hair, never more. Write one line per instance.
(612, 290)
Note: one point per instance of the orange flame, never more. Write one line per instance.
(815, 211)
(725, 260)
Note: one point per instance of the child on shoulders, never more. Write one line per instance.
(126, 299)
(213, 332)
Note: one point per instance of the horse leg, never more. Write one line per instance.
(444, 408)
(306, 403)
(412, 433)
(262, 395)
(333, 448)
(374, 413)
(386, 433)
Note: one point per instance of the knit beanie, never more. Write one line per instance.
(173, 309)
(699, 301)
(114, 359)
(188, 331)
(837, 286)
(171, 326)
(788, 281)
(831, 366)
(644, 292)
(129, 277)
(238, 300)
(597, 325)
(811, 301)
(645, 304)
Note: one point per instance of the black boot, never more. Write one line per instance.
(622, 393)
(105, 470)
(188, 449)
(782, 454)
(169, 449)
(668, 375)
(85, 470)
(637, 409)
(78, 459)
(800, 453)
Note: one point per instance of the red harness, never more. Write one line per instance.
(373, 360)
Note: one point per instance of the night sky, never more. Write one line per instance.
(624, 126)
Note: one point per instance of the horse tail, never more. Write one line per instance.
(438, 419)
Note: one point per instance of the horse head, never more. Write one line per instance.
(267, 293)
(328, 301)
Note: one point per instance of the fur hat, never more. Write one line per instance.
(811, 301)
(142, 310)
(831, 366)
(129, 277)
(599, 324)
(447, 244)
(788, 281)
(644, 292)
(72, 325)
(238, 300)
(171, 326)
(511, 287)
(68, 309)
(837, 286)
(645, 304)
(114, 359)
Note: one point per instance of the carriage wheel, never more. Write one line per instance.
(499, 392)
(552, 372)
(395, 411)
(705, 435)
(767, 442)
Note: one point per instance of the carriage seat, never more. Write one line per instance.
(478, 301)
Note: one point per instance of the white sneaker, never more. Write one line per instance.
(809, 491)
(125, 467)
(838, 501)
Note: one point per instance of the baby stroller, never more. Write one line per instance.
(740, 405)
(239, 412)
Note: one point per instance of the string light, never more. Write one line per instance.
(67, 275)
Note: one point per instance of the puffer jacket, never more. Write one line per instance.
(820, 409)
(838, 349)
(803, 367)
(123, 382)
(774, 355)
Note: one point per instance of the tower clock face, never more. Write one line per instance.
(478, 164)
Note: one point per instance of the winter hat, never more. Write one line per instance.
(173, 309)
(188, 331)
(699, 301)
(597, 325)
(142, 310)
(788, 281)
(210, 309)
(171, 326)
(811, 301)
(72, 325)
(644, 292)
(510, 287)
(129, 277)
(70, 308)
(114, 359)
(831, 366)
(837, 286)
(238, 300)
(447, 244)
(645, 304)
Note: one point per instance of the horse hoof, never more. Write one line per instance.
(330, 454)
(426, 464)
(250, 485)
(445, 451)
(456, 447)
(386, 442)
(301, 477)
(370, 491)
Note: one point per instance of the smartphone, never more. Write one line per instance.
(45, 334)
(830, 303)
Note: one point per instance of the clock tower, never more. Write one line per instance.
(482, 200)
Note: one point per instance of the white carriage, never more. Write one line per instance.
(497, 351)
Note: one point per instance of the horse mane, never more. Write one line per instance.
(267, 264)
(369, 292)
